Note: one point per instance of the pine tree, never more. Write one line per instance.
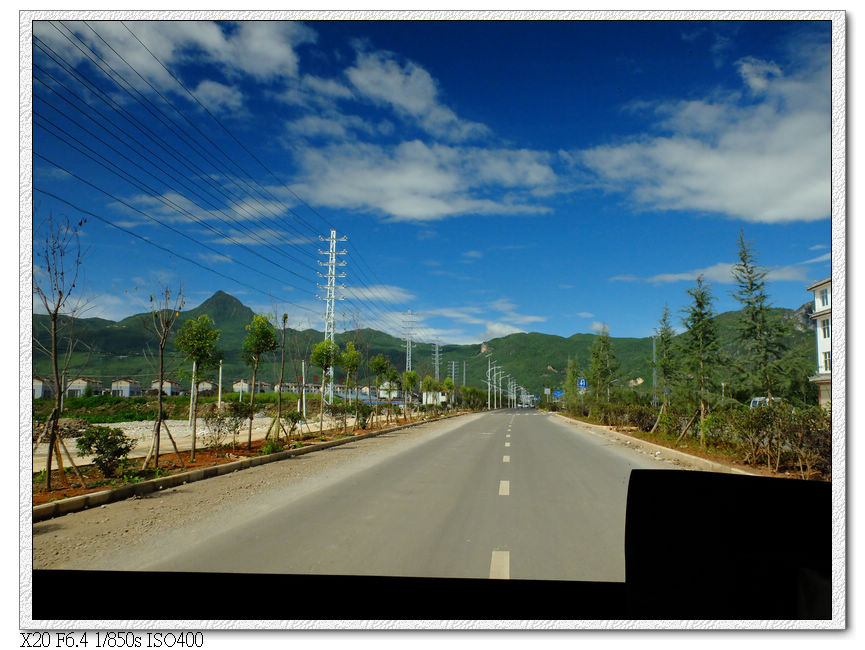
(700, 349)
(761, 333)
(572, 390)
(666, 363)
(603, 365)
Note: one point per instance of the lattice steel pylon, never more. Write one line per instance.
(436, 358)
(331, 297)
(410, 320)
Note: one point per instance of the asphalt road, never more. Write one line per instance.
(511, 494)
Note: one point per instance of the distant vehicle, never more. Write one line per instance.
(762, 401)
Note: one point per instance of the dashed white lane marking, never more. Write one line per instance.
(506, 459)
(507, 435)
(507, 444)
(500, 565)
(504, 488)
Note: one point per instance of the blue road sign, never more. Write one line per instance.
(582, 383)
(558, 393)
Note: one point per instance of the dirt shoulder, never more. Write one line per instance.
(684, 458)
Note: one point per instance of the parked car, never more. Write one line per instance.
(762, 401)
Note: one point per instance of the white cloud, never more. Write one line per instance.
(761, 154)
(599, 328)
(414, 181)
(818, 247)
(411, 92)
(720, 273)
(377, 293)
(217, 97)
(264, 50)
(215, 258)
(498, 330)
(585, 314)
(822, 258)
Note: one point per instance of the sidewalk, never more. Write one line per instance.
(181, 431)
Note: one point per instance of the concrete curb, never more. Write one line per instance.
(74, 504)
(702, 463)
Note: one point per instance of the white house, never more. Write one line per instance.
(169, 386)
(78, 386)
(434, 397)
(386, 392)
(204, 384)
(823, 318)
(244, 386)
(126, 387)
(42, 387)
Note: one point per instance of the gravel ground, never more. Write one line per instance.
(100, 538)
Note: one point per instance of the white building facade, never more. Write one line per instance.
(126, 387)
(822, 317)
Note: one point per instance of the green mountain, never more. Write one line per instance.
(127, 348)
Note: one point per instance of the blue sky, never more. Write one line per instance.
(492, 177)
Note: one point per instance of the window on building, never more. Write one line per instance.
(827, 332)
(827, 361)
(824, 297)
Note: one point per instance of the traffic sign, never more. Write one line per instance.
(582, 383)
(558, 393)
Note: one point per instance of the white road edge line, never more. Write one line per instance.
(500, 565)
(504, 488)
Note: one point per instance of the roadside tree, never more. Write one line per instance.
(700, 348)
(762, 333)
(197, 340)
(166, 306)
(260, 339)
(58, 257)
(325, 355)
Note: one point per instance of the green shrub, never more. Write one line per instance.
(271, 447)
(363, 411)
(109, 447)
(642, 416)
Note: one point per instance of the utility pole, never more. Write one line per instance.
(464, 373)
(410, 320)
(219, 388)
(489, 380)
(330, 311)
(303, 386)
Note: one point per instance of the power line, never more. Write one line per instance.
(152, 243)
(146, 131)
(82, 79)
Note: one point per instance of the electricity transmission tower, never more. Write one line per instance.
(436, 359)
(410, 320)
(330, 298)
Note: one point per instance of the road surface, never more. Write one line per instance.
(515, 494)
